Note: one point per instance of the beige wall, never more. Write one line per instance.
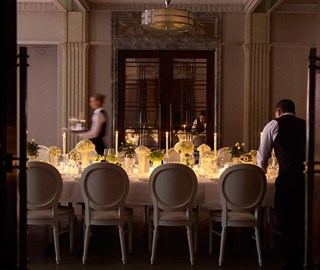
(291, 36)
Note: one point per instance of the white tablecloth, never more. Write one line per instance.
(139, 194)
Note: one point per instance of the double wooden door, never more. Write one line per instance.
(163, 91)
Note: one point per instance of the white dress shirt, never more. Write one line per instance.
(97, 121)
(269, 134)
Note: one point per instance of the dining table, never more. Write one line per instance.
(139, 192)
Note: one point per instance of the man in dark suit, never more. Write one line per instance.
(287, 136)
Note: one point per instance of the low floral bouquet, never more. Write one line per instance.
(97, 158)
(127, 150)
(142, 150)
(85, 145)
(237, 150)
(156, 156)
(111, 158)
(184, 147)
(32, 148)
(54, 151)
(249, 157)
(74, 155)
(203, 148)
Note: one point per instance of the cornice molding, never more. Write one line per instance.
(140, 6)
(297, 8)
(37, 7)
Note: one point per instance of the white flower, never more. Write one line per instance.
(74, 155)
(85, 145)
(203, 147)
(208, 155)
(54, 150)
(184, 147)
(142, 150)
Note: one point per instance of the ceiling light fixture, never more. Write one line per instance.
(167, 19)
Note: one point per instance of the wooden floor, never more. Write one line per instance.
(172, 253)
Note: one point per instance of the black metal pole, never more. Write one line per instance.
(309, 171)
(22, 175)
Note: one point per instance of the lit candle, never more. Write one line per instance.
(215, 142)
(116, 143)
(64, 143)
(167, 144)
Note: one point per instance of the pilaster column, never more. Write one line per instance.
(74, 73)
(257, 92)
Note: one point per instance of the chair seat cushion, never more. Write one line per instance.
(172, 216)
(111, 215)
(233, 216)
(47, 213)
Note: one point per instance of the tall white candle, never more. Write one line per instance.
(116, 143)
(167, 144)
(64, 143)
(215, 136)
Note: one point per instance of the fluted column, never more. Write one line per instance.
(74, 73)
(257, 92)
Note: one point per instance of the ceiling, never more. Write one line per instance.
(246, 6)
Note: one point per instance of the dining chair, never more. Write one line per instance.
(43, 153)
(173, 155)
(44, 187)
(173, 189)
(242, 188)
(104, 187)
(198, 140)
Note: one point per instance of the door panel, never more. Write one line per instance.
(163, 91)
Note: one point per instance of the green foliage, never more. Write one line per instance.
(156, 155)
(32, 148)
(128, 149)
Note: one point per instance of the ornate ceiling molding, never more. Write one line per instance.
(38, 7)
(297, 8)
(141, 6)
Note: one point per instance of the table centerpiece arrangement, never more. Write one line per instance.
(54, 154)
(84, 147)
(156, 156)
(185, 149)
(201, 149)
(142, 153)
(32, 150)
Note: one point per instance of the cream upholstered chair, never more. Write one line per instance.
(43, 153)
(104, 187)
(173, 189)
(242, 188)
(173, 155)
(44, 187)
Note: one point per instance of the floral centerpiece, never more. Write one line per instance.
(85, 146)
(54, 153)
(249, 157)
(127, 150)
(209, 159)
(74, 155)
(185, 149)
(142, 153)
(72, 158)
(54, 150)
(201, 149)
(111, 158)
(156, 157)
(237, 150)
(97, 158)
(32, 149)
